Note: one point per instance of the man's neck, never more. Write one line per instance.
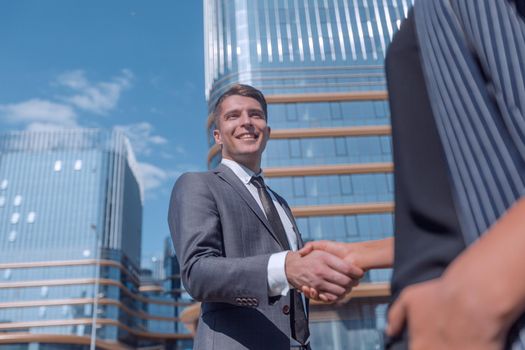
(253, 166)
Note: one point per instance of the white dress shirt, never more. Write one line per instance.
(277, 281)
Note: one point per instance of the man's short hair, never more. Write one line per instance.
(240, 90)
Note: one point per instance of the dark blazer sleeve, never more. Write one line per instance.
(208, 275)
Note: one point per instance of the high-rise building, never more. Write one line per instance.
(70, 240)
(320, 65)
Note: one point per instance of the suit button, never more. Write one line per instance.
(286, 309)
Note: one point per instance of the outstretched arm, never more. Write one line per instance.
(375, 254)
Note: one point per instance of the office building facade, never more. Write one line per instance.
(320, 65)
(70, 240)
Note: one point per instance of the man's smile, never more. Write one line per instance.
(248, 136)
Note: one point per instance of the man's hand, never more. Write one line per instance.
(437, 316)
(324, 272)
(365, 255)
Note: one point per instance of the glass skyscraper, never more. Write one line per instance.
(70, 240)
(320, 65)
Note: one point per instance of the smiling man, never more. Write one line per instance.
(236, 241)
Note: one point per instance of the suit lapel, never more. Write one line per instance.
(229, 176)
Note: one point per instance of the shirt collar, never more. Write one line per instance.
(242, 172)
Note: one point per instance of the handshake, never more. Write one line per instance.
(328, 270)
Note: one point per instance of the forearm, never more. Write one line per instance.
(374, 254)
(490, 272)
(366, 255)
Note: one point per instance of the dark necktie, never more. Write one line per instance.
(298, 320)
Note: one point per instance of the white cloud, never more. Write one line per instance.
(75, 79)
(141, 137)
(39, 111)
(98, 98)
(152, 177)
(155, 179)
(158, 140)
(61, 112)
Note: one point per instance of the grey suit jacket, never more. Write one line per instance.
(223, 242)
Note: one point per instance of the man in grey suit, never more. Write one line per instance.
(236, 242)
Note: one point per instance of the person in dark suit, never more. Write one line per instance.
(236, 241)
(456, 72)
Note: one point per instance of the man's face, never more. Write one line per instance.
(242, 130)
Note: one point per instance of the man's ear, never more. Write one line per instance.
(217, 136)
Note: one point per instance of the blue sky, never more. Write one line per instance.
(137, 65)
